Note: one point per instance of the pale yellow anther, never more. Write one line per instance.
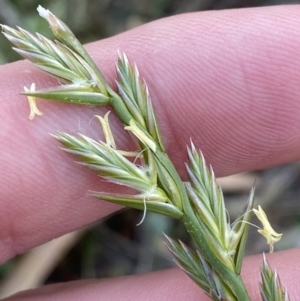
(32, 103)
(134, 129)
(109, 138)
(130, 154)
(267, 232)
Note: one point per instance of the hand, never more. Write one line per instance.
(228, 79)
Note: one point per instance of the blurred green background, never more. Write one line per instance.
(116, 246)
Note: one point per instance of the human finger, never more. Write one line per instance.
(170, 284)
(226, 79)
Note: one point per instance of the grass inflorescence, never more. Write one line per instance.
(215, 264)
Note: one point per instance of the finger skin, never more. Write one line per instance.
(166, 285)
(228, 79)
